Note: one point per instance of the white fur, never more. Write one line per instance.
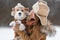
(12, 24)
(19, 5)
(45, 4)
(35, 7)
(12, 13)
(18, 17)
(50, 31)
(18, 22)
(16, 13)
(22, 27)
(21, 17)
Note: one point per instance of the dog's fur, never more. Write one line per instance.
(42, 12)
(32, 32)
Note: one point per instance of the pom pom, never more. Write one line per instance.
(19, 5)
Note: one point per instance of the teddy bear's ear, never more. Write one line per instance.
(26, 9)
(13, 12)
(13, 9)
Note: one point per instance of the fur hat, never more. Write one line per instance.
(42, 10)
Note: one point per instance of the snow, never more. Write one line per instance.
(57, 36)
(8, 34)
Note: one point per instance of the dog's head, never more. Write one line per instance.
(19, 12)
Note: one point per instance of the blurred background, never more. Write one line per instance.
(6, 6)
(7, 33)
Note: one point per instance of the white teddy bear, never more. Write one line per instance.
(19, 15)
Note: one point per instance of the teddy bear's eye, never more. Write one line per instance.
(22, 10)
(17, 9)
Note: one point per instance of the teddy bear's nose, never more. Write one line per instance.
(19, 14)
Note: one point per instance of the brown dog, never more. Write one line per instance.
(42, 10)
(33, 31)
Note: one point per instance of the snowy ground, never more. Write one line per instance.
(57, 36)
(7, 34)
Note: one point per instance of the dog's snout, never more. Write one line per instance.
(32, 19)
(19, 14)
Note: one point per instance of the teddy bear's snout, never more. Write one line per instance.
(19, 13)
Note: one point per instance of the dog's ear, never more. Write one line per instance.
(13, 11)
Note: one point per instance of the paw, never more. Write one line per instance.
(22, 27)
(12, 24)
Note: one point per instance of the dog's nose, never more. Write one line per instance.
(19, 14)
(32, 19)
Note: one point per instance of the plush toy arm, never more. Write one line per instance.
(22, 27)
(12, 24)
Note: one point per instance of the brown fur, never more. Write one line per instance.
(33, 32)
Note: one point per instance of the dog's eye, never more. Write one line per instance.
(22, 10)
